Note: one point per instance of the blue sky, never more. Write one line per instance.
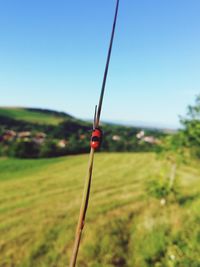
(52, 55)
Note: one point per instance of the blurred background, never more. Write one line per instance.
(145, 198)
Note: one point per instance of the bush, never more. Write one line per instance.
(49, 149)
(24, 149)
(159, 188)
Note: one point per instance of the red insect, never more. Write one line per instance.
(96, 138)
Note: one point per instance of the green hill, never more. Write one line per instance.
(126, 225)
(40, 116)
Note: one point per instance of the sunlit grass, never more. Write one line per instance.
(125, 226)
(30, 116)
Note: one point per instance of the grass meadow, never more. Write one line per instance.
(126, 225)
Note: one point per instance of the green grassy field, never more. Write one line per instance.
(126, 226)
(31, 116)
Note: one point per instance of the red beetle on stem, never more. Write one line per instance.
(96, 138)
(94, 143)
(97, 134)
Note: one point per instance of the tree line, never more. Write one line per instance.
(70, 137)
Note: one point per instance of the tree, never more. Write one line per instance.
(24, 149)
(172, 151)
(49, 149)
(191, 131)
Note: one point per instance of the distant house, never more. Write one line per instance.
(40, 135)
(147, 139)
(140, 135)
(62, 143)
(116, 138)
(9, 135)
(39, 138)
(25, 136)
(150, 140)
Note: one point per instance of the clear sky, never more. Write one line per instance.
(53, 52)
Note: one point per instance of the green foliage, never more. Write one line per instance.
(159, 188)
(172, 151)
(24, 149)
(162, 188)
(172, 148)
(191, 131)
(76, 146)
(49, 149)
